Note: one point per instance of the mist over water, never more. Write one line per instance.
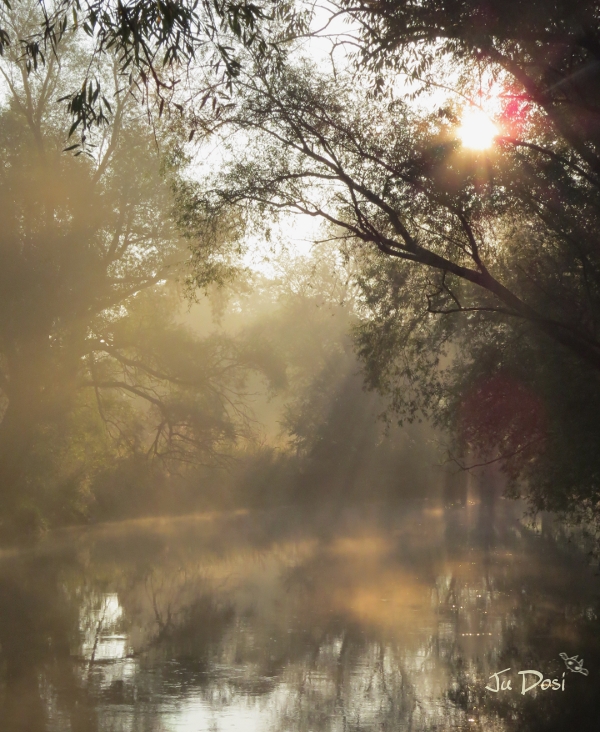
(352, 617)
(291, 338)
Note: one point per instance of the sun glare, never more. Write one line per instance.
(477, 131)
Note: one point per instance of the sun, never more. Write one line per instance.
(477, 131)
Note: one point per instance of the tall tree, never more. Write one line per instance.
(386, 175)
(487, 258)
(90, 249)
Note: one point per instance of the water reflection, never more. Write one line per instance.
(356, 619)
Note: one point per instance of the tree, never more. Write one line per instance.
(479, 252)
(544, 60)
(549, 51)
(91, 253)
(154, 46)
(385, 176)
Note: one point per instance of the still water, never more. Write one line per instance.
(362, 618)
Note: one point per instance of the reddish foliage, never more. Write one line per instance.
(515, 114)
(500, 414)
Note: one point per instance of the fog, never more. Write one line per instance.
(298, 367)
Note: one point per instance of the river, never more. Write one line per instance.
(356, 618)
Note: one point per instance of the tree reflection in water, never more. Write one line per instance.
(356, 619)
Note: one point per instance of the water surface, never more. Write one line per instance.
(366, 618)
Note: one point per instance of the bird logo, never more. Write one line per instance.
(574, 664)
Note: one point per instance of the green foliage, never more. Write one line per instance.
(499, 389)
(156, 46)
(477, 267)
(96, 366)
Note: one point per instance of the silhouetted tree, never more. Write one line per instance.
(90, 256)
